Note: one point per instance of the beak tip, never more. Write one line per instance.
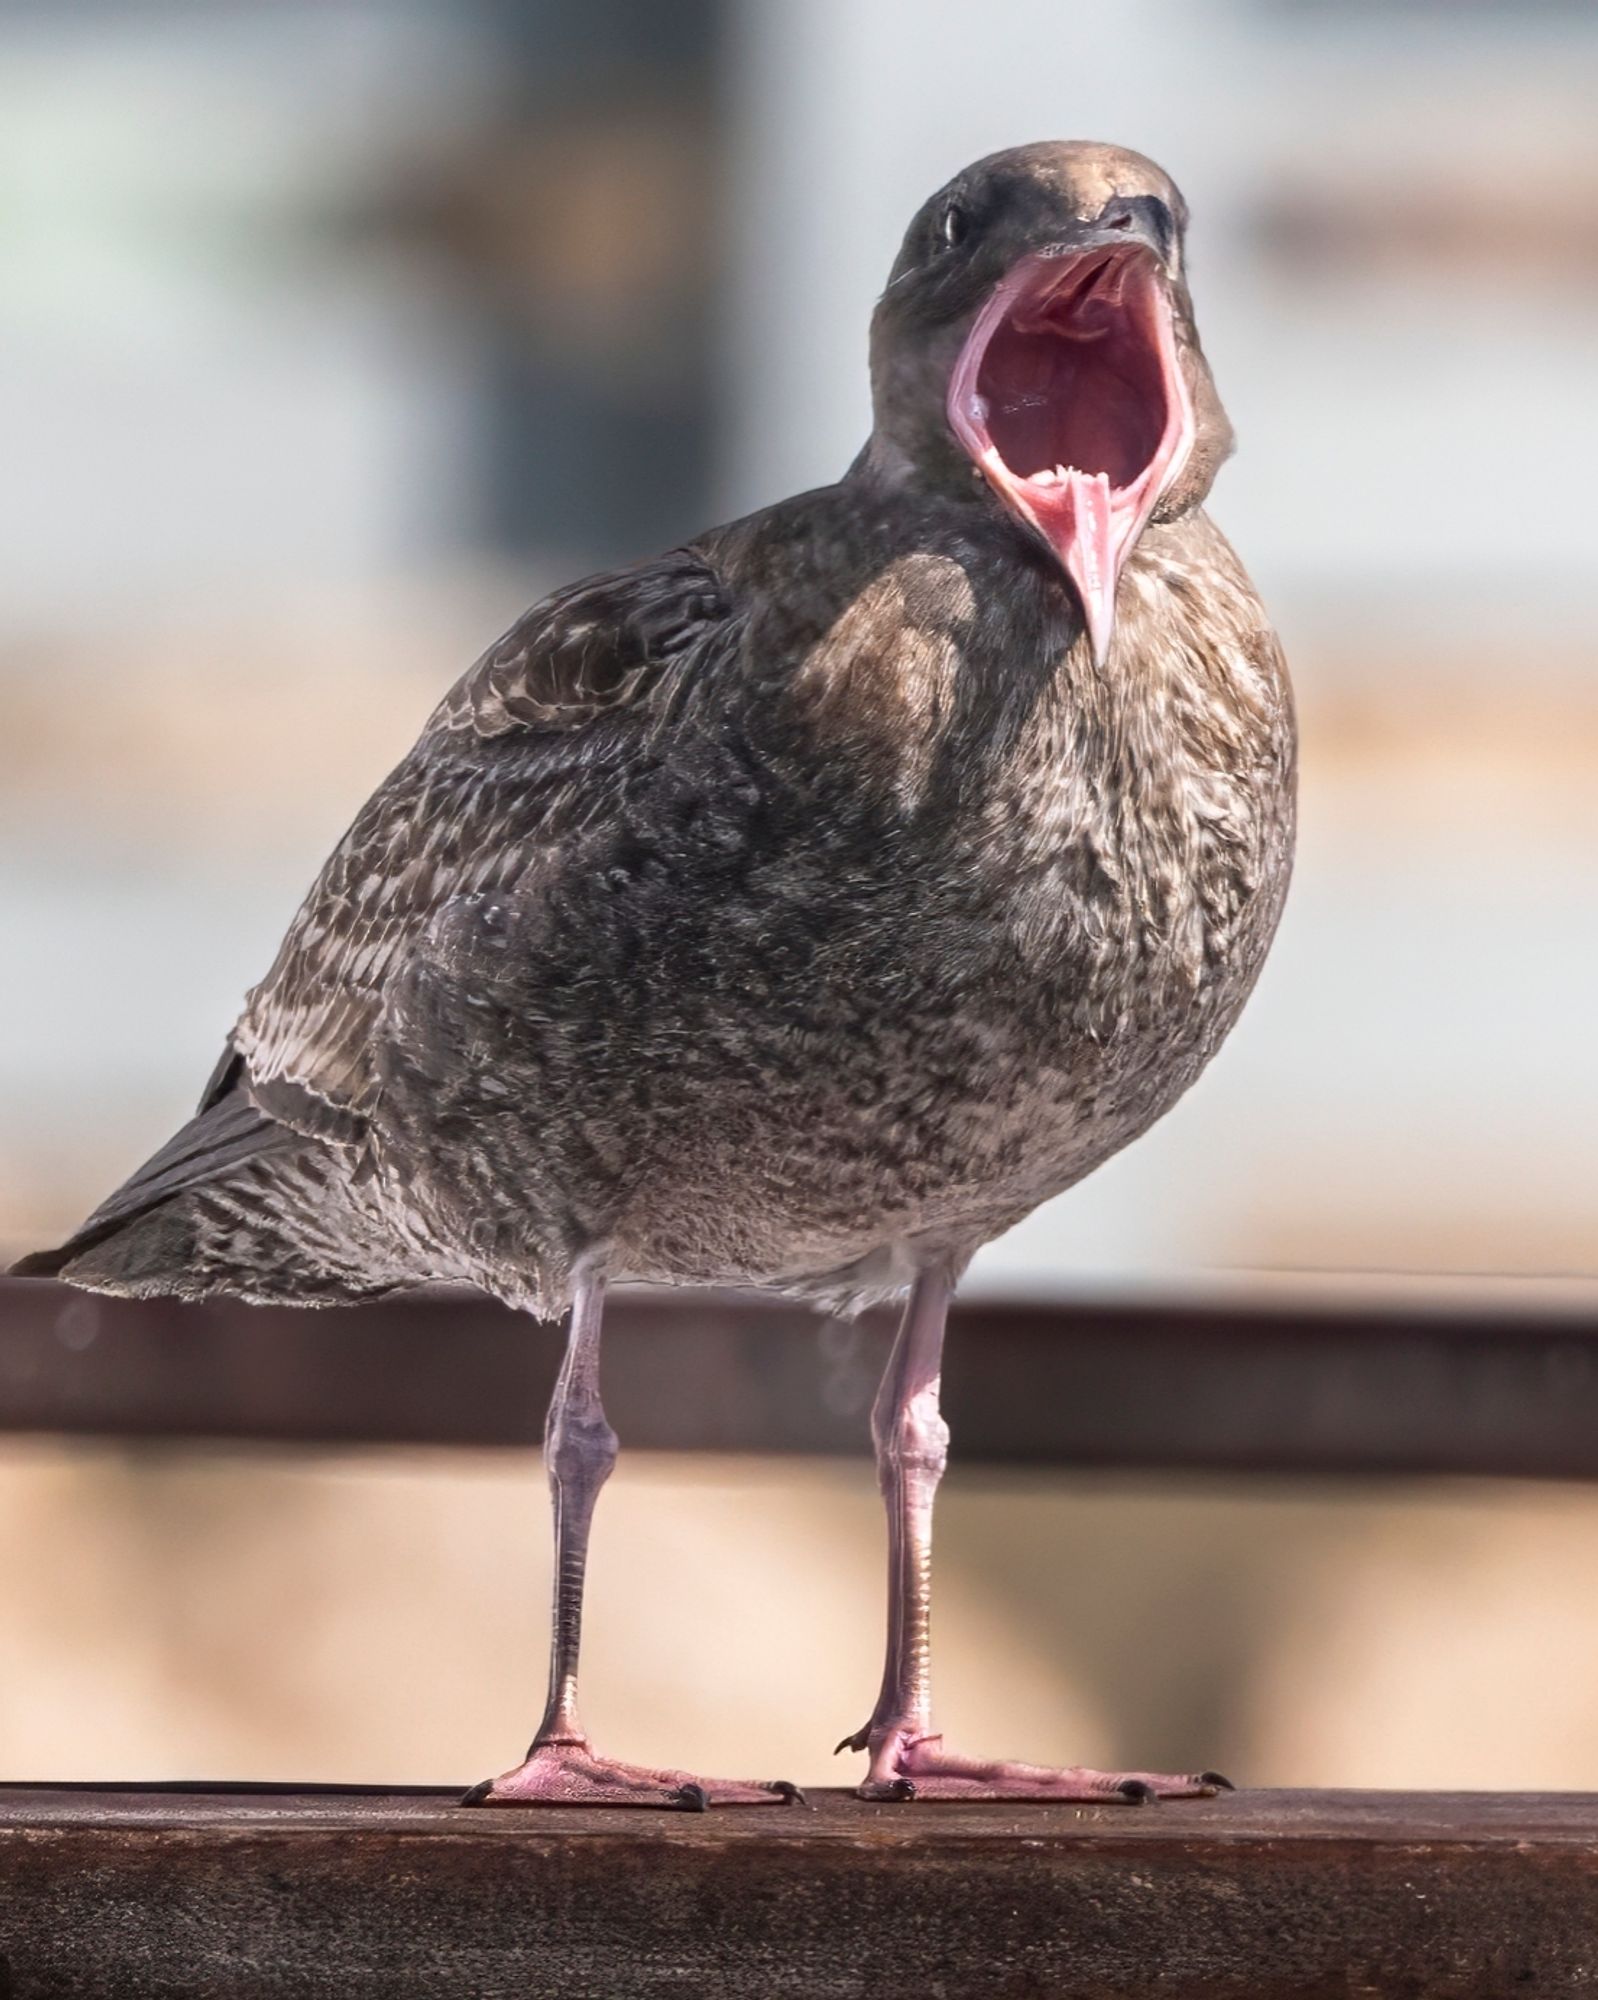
(1091, 551)
(1098, 622)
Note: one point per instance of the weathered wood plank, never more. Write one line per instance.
(1308, 1387)
(126, 1894)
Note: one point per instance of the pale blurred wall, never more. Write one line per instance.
(242, 510)
(379, 1619)
(242, 384)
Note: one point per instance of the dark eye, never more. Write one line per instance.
(953, 225)
(1122, 221)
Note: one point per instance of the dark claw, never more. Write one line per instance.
(692, 1798)
(1136, 1793)
(478, 1794)
(903, 1789)
(856, 1741)
(788, 1791)
(1214, 1778)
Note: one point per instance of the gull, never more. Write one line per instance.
(797, 910)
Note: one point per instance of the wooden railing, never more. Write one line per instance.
(126, 1895)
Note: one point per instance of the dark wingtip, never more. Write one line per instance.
(39, 1264)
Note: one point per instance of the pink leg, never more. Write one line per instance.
(561, 1767)
(908, 1760)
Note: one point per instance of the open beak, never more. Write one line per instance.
(1069, 398)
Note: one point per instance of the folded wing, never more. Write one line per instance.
(501, 769)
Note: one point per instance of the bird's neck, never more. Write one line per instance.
(911, 442)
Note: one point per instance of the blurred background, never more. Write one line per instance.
(331, 336)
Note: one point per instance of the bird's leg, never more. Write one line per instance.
(908, 1759)
(561, 1766)
(912, 1447)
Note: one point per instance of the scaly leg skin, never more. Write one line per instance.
(561, 1768)
(908, 1760)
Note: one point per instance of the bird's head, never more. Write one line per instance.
(1037, 326)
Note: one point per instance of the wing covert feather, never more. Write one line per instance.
(468, 810)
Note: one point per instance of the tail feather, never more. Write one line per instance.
(234, 1203)
(211, 1144)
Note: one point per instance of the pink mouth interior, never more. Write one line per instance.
(1069, 398)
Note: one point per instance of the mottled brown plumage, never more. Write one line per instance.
(802, 908)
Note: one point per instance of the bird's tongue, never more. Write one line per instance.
(1075, 510)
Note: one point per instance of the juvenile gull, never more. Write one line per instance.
(799, 909)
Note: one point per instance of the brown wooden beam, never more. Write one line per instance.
(1256, 1896)
(1292, 1388)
